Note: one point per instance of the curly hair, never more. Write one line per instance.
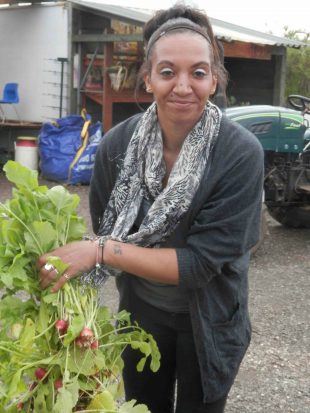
(164, 19)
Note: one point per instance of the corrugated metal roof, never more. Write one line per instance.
(230, 32)
(223, 30)
(128, 14)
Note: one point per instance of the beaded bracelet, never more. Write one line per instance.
(100, 262)
(101, 272)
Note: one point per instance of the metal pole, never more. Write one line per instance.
(62, 60)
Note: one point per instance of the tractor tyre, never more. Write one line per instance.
(263, 231)
(292, 217)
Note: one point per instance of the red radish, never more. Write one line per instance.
(33, 385)
(78, 342)
(86, 333)
(58, 384)
(20, 405)
(86, 338)
(40, 373)
(94, 345)
(81, 343)
(61, 326)
(107, 373)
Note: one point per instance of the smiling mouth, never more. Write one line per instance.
(182, 102)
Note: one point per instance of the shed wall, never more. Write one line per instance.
(251, 81)
(31, 40)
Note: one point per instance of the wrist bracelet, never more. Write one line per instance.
(100, 264)
(102, 271)
(99, 256)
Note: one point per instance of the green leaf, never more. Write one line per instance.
(141, 364)
(13, 310)
(82, 361)
(100, 360)
(103, 400)
(62, 199)
(123, 317)
(12, 234)
(103, 314)
(77, 228)
(44, 316)
(39, 402)
(27, 336)
(3, 390)
(67, 397)
(17, 385)
(58, 264)
(22, 209)
(15, 330)
(21, 176)
(17, 275)
(132, 407)
(40, 238)
(35, 221)
(74, 329)
(155, 354)
(50, 298)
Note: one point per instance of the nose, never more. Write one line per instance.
(182, 85)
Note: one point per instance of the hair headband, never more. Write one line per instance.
(159, 33)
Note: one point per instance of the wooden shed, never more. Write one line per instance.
(107, 42)
(100, 48)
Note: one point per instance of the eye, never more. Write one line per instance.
(200, 73)
(166, 72)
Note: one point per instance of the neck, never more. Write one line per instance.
(174, 135)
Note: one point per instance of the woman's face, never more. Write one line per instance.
(181, 78)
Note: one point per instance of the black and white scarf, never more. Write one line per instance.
(142, 174)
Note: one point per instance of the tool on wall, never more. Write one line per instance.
(62, 60)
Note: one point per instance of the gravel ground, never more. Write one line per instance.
(275, 374)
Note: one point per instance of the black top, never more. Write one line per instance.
(212, 243)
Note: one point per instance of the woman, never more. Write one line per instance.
(176, 196)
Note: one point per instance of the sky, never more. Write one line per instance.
(263, 15)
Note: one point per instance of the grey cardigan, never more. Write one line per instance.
(212, 242)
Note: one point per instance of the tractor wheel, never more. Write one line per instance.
(263, 230)
(293, 217)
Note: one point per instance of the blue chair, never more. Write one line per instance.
(10, 97)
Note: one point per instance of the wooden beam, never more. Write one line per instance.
(14, 2)
(107, 104)
(247, 50)
(107, 38)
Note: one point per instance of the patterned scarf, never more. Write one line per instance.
(141, 177)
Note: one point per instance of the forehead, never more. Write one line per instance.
(187, 44)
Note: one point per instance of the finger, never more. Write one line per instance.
(62, 281)
(49, 267)
(41, 261)
(48, 274)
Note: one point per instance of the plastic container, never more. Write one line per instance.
(26, 151)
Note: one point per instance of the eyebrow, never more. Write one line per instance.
(168, 62)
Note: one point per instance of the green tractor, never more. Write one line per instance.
(285, 136)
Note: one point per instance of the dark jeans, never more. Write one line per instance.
(179, 364)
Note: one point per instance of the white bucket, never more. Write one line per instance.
(26, 152)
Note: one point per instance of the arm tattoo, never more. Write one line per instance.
(117, 249)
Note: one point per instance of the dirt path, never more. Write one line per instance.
(275, 374)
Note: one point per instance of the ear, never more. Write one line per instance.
(214, 84)
(147, 82)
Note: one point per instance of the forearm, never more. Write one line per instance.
(156, 264)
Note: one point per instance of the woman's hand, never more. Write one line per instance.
(80, 257)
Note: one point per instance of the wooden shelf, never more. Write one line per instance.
(123, 96)
(107, 96)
